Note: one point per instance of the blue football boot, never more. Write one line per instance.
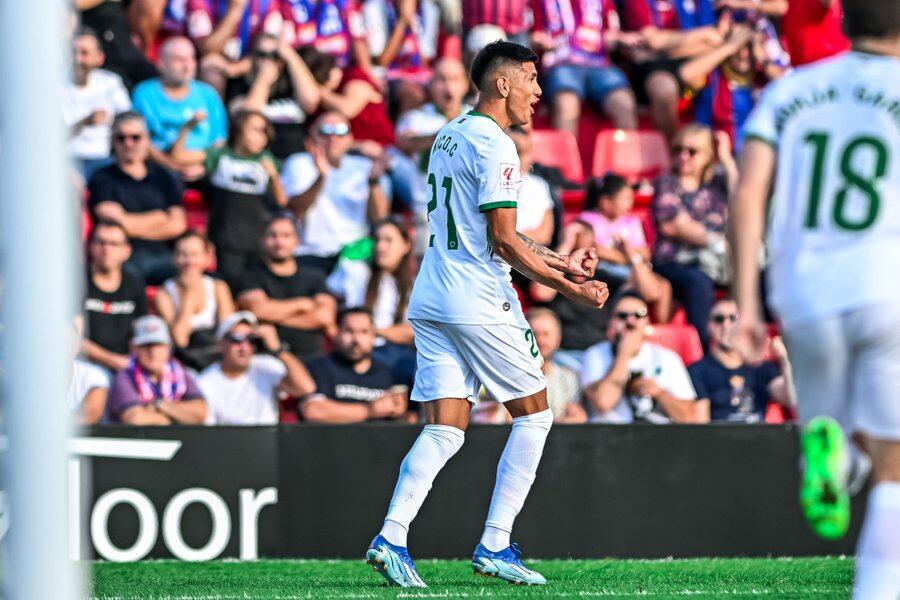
(506, 565)
(394, 563)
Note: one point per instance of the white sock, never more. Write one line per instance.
(433, 448)
(878, 550)
(515, 474)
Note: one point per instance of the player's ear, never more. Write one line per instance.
(503, 86)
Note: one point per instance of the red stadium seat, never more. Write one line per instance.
(553, 148)
(632, 154)
(151, 292)
(682, 339)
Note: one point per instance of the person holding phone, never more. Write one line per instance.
(628, 379)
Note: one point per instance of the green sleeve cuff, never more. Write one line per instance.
(764, 140)
(493, 205)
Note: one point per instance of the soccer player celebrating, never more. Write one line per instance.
(828, 136)
(467, 320)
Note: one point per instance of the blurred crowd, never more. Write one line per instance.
(254, 189)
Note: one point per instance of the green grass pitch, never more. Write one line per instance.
(296, 579)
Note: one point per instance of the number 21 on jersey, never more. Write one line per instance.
(447, 187)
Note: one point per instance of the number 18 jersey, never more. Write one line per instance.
(834, 217)
(473, 167)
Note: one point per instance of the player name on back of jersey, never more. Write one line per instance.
(445, 143)
(862, 94)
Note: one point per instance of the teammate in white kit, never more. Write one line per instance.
(828, 134)
(467, 320)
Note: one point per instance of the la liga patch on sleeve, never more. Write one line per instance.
(508, 179)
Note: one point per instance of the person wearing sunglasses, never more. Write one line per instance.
(142, 196)
(335, 195)
(738, 391)
(689, 209)
(627, 378)
(256, 366)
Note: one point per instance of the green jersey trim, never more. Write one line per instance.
(493, 205)
(475, 113)
(765, 140)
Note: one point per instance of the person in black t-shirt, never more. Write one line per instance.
(736, 390)
(351, 386)
(290, 296)
(114, 299)
(141, 195)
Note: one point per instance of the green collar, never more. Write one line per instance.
(475, 113)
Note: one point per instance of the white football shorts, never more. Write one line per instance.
(454, 360)
(847, 366)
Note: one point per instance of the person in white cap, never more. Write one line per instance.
(242, 389)
(154, 389)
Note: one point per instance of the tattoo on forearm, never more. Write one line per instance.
(552, 259)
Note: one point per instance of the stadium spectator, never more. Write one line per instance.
(243, 388)
(416, 130)
(351, 385)
(738, 391)
(729, 79)
(289, 295)
(382, 282)
(355, 93)
(114, 297)
(88, 385)
(333, 194)
(333, 27)
(154, 389)
(90, 101)
(244, 188)
(689, 208)
(141, 195)
(176, 103)
(480, 18)
(626, 378)
(534, 216)
(811, 30)
(563, 387)
(284, 86)
(582, 326)
(192, 303)
(109, 19)
(673, 30)
(577, 37)
(619, 238)
(224, 31)
(403, 40)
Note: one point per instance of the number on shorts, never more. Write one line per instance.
(529, 337)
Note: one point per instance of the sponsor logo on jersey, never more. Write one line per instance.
(507, 175)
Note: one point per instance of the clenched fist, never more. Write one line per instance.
(592, 293)
(582, 261)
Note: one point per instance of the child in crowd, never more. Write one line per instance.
(619, 238)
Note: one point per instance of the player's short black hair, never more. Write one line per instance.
(498, 53)
(871, 18)
(602, 187)
(356, 310)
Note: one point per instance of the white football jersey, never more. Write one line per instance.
(473, 167)
(834, 218)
